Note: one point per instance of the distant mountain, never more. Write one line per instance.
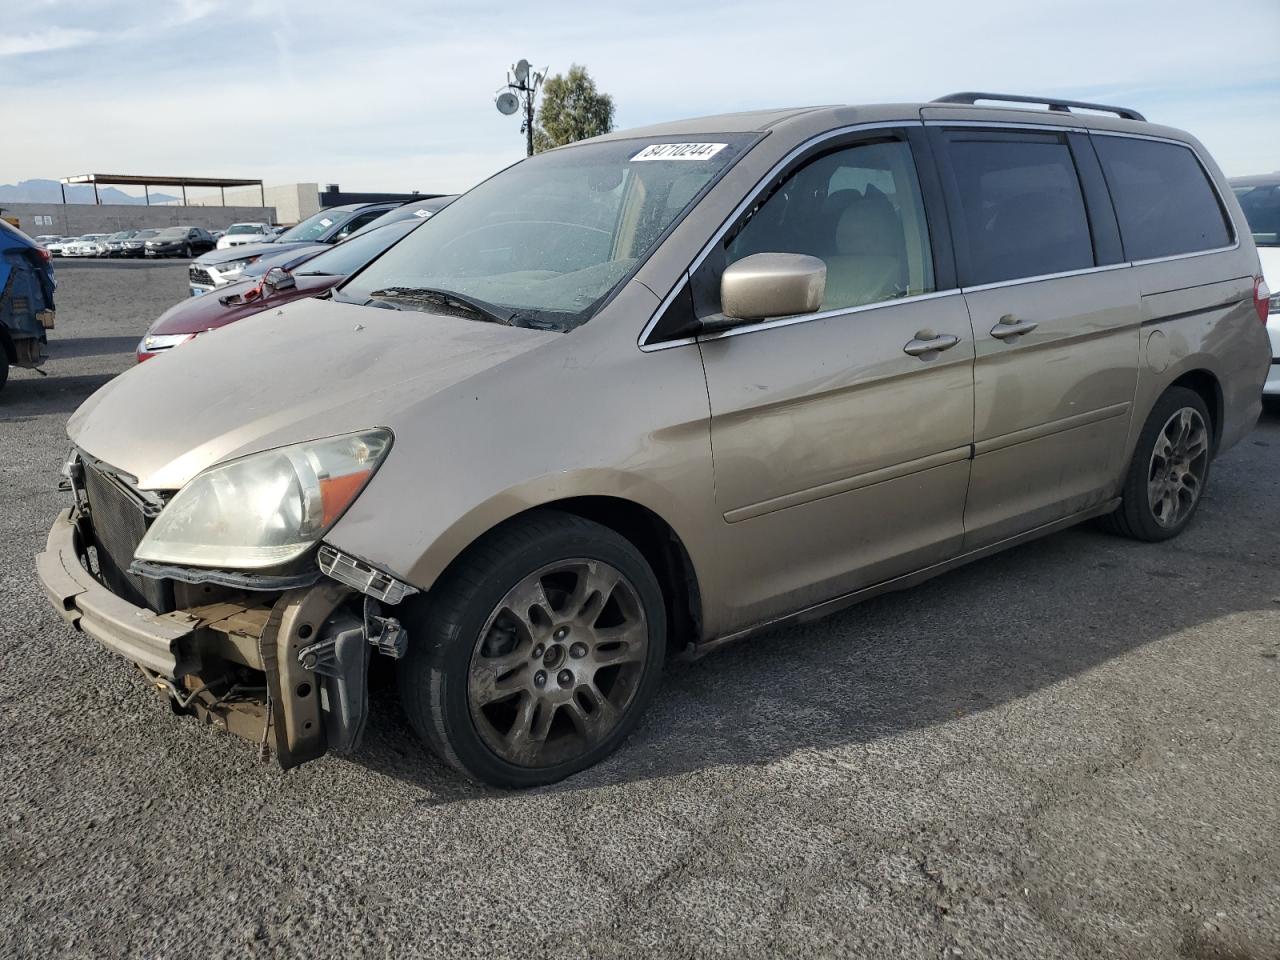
(49, 191)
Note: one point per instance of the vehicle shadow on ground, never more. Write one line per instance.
(90, 347)
(1058, 607)
(27, 397)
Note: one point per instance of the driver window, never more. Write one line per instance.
(859, 210)
(356, 222)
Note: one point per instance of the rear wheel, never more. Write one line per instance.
(186, 251)
(535, 655)
(1170, 468)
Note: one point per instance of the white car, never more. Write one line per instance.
(58, 246)
(85, 246)
(1260, 199)
(239, 234)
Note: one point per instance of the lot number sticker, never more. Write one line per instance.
(679, 151)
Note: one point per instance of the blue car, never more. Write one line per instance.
(26, 300)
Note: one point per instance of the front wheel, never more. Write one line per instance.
(535, 655)
(1170, 468)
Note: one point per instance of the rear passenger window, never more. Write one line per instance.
(1163, 199)
(859, 210)
(1022, 209)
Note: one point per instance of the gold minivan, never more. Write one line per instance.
(655, 391)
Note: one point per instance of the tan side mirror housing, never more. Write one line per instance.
(767, 285)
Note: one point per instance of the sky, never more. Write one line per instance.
(398, 95)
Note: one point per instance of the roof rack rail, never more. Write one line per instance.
(1057, 106)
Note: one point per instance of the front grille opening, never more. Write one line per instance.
(118, 525)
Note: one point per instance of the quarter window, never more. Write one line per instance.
(1163, 199)
(1021, 208)
(859, 210)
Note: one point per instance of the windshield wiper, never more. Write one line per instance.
(444, 298)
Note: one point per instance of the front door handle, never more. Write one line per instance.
(926, 344)
(1010, 326)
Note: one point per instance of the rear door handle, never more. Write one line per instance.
(926, 343)
(1010, 326)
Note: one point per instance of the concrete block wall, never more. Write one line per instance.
(76, 219)
(293, 202)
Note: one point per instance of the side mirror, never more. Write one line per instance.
(278, 278)
(767, 285)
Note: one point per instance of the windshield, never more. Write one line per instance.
(353, 253)
(547, 240)
(172, 232)
(246, 228)
(122, 235)
(314, 227)
(1261, 205)
(145, 234)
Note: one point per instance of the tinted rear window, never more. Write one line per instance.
(1023, 211)
(1163, 198)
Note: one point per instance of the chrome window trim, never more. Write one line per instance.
(977, 288)
(827, 314)
(1188, 256)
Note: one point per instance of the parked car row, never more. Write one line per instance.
(169, 241)
(319, 231)
(648, 394)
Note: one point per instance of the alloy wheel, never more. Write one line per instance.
(558, 663)
(1178, 465)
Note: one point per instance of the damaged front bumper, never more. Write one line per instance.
(280, 669)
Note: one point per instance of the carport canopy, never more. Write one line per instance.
(117, 180)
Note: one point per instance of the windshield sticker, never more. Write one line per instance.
(679, 151)
(326, 222)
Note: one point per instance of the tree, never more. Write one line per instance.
(572, 109)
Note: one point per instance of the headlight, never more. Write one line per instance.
(267, 508)
(163, 341)
(233, 266)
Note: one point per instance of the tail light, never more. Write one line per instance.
(44, 254)
(1262, 299)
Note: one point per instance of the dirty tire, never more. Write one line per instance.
(1135, 517)
(446, 630)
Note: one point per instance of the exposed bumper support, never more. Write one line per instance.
(159, 642)
(196, 655)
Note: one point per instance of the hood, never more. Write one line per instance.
(207, 312)
(313, 369)
(292, 252)
(247, 250)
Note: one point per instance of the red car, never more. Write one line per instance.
(307, 277)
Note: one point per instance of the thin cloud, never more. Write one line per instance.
(43, 41)
(402, 96)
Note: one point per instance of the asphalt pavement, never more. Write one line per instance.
(1066, 751)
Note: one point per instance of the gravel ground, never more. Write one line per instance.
(1067, 751)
